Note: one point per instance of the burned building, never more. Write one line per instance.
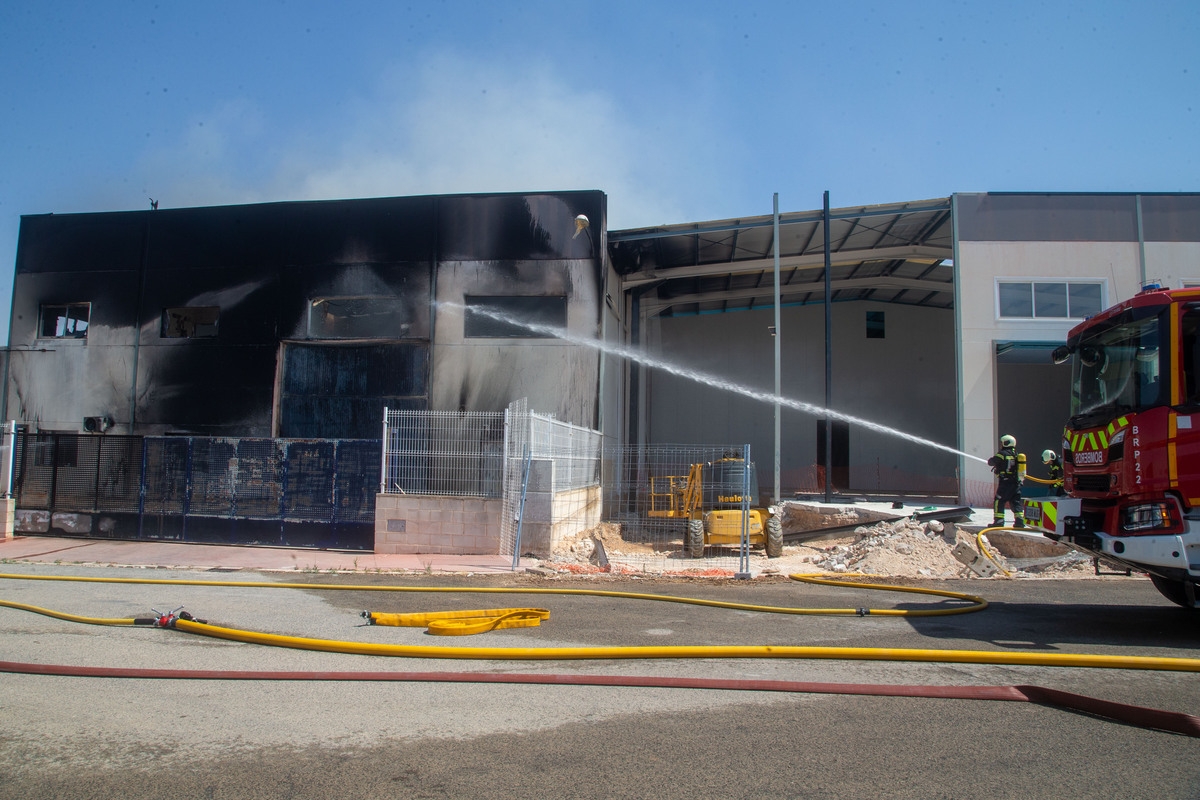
(305, 319)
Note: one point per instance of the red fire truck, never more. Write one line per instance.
(1131, 447)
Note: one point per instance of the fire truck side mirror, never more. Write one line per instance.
(1061, 353)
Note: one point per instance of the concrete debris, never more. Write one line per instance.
(899, 548)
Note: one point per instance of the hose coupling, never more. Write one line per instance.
(862, 612)
(168, 620)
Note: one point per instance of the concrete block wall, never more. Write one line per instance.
(415, 524)
(537, 509)
(575, 511)
(8, 525)
(412, 524)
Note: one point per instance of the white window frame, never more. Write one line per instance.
(75, 335)
(1101, 282)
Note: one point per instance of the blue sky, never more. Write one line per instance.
(679, 111)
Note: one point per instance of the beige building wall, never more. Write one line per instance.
(1116, 265)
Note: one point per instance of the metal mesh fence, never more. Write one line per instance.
(285, 480)
(443, 453)
(516, 460)
(576, 451)
(649, 493)
(489, 454)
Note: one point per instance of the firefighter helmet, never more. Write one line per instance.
(1047, 456)
(1007, 441)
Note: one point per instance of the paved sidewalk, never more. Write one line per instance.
(52, 550)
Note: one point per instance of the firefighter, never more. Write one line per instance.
(1055, 468)
(1009, 467)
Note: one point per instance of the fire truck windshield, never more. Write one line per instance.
(1117, 370)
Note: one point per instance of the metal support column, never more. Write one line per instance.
(778, 372)
(828, 355)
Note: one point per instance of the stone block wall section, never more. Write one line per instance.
(9, 523)
(414, 524)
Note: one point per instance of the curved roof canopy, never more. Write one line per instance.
(892, 253)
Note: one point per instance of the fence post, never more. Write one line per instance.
(521, 513)
(11, 432)
(384, 455)
(744, 555)
(142, 489)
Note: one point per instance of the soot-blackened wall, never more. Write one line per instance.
(324, 312)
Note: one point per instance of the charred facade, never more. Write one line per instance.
(303, 320)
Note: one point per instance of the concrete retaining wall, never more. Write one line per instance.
(414, 524)
(408, 524)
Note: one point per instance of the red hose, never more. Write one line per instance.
(1171, 721)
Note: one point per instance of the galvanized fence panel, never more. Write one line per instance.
(576, 451)
(645, 504)
(516, 462)
(487, 454)
(443, 453)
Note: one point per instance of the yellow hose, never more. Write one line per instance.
(706, 651)
(976, 603)
(463, 623)
(68, 617)
(983, 547)
(699, 651)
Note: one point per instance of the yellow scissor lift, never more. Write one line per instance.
(713, 508)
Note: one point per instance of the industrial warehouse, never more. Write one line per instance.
(256, 374)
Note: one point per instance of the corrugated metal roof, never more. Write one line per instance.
(887, 253)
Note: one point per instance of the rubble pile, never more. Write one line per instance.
(899, 548)
(904, 548)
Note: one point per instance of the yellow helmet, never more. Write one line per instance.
(1008, 441)
(1047, 456)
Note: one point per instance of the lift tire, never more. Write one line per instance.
(1174, 590)
(693, 543)
(774, 543)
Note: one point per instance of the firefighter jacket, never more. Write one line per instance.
(1055, 468)
(1008, 464)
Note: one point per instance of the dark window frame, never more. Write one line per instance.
(875, 325)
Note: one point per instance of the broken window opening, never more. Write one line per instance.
(510, 317)
(367, 317)
(190, 322)
(67, 321)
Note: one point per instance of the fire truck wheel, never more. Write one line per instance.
(1174, 590)
(774, 537)
(694, 541)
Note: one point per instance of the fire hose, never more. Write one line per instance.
(182, 621)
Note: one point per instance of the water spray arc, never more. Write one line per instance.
(716, 382)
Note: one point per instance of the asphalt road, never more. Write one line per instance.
(71, 737)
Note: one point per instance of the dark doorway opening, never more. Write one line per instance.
(839, 461)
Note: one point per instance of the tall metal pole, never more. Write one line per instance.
(828, 356)
(744, 552)
(778, 380)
